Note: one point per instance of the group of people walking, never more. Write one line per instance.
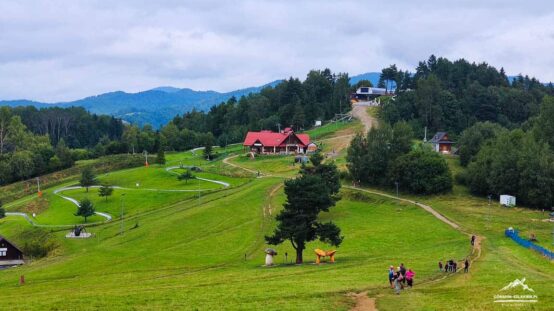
(452, 266)
(400, 278)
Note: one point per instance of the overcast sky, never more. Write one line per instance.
(65, 50)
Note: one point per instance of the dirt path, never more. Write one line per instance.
(363, 302)
(360, 113)
(428, 208)
(269, 209)
(226, 161)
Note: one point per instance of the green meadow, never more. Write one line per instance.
(173, 247)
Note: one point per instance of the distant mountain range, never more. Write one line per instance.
(373, 77)
(156, 106)
(159, 105)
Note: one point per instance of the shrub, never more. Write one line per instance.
(421, 171)
(37, 243)
(461, 178)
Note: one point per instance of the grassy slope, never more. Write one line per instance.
(502, 261)
(191, 255)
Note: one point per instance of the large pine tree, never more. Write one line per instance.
(315, 191)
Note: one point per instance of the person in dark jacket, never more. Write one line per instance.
(403, 272)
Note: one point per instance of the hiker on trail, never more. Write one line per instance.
(466, 266)
(446, 266)
(454, 267)
(410, 277)
(450, 265)
(472, 240)
(440, 265)
(391, 276)
(403, 272)
(397, 282)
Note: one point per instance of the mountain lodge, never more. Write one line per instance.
(284, 142)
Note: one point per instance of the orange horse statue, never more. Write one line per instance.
(321, 253)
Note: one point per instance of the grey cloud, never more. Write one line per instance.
(62, 50)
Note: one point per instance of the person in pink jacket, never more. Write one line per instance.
(410, 277)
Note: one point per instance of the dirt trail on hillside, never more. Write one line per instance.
(270, 197)
(360, 113)
(363, 302)
(226, 161)
(428, 208)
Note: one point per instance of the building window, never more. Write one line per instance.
(3, 252)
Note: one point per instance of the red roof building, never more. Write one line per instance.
(268, 142)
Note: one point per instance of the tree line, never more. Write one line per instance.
(518, 162)
(503, 127)
(452, 96)
(291, 103)
(386, 157)
(74, 125)
(24, 154)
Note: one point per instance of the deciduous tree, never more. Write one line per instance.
(105, 191)
(186, 176)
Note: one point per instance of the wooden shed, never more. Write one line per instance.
(441, 143)
(10, 254)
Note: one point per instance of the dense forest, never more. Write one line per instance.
(77, 127)
(503, 128)
(452, 96)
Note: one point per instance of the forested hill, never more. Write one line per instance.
(155, 107)
(159, 105)
(445, 95)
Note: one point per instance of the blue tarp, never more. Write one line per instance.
(514, 235)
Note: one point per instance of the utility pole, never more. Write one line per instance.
(38, 187)
(145, 153)
(198, 180)
(121, 213)
(489, 212)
